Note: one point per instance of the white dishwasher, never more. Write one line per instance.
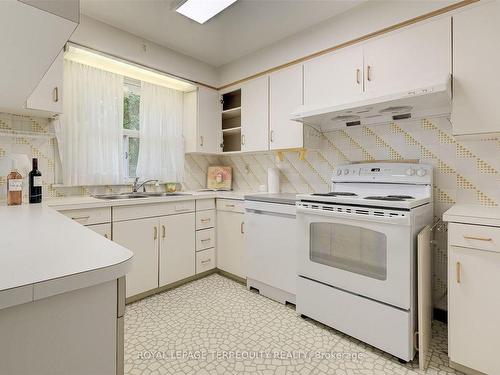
(271, 245)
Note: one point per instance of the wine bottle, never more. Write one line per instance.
(35, 183)
(14, 186)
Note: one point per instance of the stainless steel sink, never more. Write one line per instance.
(137, 195)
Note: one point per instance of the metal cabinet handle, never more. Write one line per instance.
(205, 220)
(105, 235)
(164, 231)
(272, 136)
(242, 227)
(459, 272)
(155, 235)
(230, 205)
(369, 73)
(81, 218)
(206, 261)
(205, 240)
(243, 139)
(357, 76)
(478, 238)
(55, 94)
(201, 140)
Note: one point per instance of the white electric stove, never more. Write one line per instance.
(357, 249)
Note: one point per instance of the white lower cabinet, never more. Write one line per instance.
(102, 229)
(140, 236)
(230, 242)
(473, 306)
(177, 248)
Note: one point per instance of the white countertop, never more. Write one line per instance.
(43, 253)
(473, 214)
(72, 203)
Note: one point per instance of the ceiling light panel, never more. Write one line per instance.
(202, 10)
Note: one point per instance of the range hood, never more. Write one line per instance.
(425, 102)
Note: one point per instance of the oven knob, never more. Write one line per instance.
(346, 171)
(410, 172)
(339, 172)
(421, 172)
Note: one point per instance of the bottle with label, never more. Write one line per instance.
(14, 186)
(35, 183)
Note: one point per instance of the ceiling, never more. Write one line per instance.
(244, 27)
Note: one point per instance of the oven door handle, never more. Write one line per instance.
(401, 220)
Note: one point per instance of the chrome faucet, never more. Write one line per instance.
(136, 186)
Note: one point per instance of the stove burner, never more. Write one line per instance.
(336, 194)
(401, 196)
(386, 198)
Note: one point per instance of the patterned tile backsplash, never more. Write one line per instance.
(465, 171)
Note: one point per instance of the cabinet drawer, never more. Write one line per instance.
(102, 229)
(205, 204)
(231, 205)
(205, 219)
(205, 260)
(139, 211)
(474, 236)
(89, 216)
(205, 239)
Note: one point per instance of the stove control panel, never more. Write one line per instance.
(402, 173)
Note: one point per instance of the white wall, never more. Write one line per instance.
(105, 38)
(369, 17)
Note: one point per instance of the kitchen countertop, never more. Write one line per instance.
(283, 198)
(473, 214)
(44, 253)
(75, 202)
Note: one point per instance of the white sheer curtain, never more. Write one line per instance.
(161, 149)
(90, 133)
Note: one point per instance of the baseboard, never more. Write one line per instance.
(231, 276)
(465, 369)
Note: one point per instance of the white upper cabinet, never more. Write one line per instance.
(476, 60)
(31, 41)
(201, 121)
(334, 78)
(407, 59)
(47, 96)
(255, 115)
(285, 95)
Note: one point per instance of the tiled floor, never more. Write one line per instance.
(215, 326)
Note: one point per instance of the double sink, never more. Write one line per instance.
(137, 195)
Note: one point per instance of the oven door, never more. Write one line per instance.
(365, 251)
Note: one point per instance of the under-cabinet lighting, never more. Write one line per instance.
(202, 10)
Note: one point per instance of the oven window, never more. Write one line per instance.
(350, 248)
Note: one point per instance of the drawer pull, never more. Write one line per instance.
(206, 261)
(459, 272)
(242, 227)
(478, 238)
(155, 235)
(81, 218)
(205, 220)
(181, 209)
(230, 205)
(205, 240)
(163, 229)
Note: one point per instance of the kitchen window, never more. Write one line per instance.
(131, 125)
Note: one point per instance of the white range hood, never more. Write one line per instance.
(425, 102)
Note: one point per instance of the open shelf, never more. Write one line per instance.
(231, 100)
(231, 113)
(234, 130)
(231, 140)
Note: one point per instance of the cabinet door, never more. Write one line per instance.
(476, 58)
(408, 59)
(177, 249)
(47, 96)
(102, 229)
(285, 95)
(230, 256)
(334, 78)
(473, 306)
(254, 115)
(209, 120)
(141, 237)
